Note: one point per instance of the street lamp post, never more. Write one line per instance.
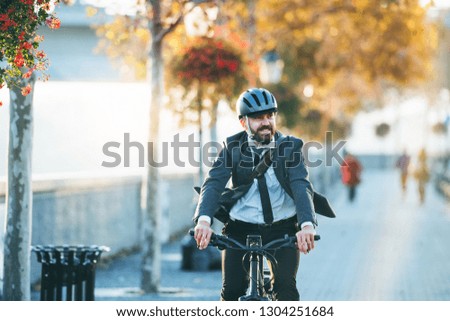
(270, 67)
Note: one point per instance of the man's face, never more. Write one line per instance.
(263, 127)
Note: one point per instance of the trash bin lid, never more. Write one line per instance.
(68, 254)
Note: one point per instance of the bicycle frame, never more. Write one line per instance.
(255, 291)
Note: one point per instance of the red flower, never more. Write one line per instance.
(22, 34)
(26, 90)
(40, 54)
(28, 73)
(53, 23)
(19, 61)
(27, 45)
(233, 66)
(7, 23)
(220, 63)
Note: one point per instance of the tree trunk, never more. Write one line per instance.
(151, 247)
(16, 270)
(213, 124)
(200, 132)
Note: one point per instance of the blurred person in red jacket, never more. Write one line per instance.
(351, 170)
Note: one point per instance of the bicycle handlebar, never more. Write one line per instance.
(224, 242)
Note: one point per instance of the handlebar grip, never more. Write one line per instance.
(294, 238)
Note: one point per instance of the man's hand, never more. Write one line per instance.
(202, 234)
(305, 239)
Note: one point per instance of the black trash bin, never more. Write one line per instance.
(68, 272)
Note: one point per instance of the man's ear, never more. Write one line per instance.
(243, 122)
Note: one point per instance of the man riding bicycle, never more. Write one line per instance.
(279, 201)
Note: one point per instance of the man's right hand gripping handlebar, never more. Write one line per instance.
(202, 234)
(305, 239)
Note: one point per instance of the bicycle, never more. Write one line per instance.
(260, 280)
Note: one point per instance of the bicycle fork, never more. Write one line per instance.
(255, 290)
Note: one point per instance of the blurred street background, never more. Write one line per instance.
(374, 75)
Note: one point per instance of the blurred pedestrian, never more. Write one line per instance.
(403, 165)
(422, 174)
(351, 170)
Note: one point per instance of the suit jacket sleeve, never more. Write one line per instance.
(214, 185)
(301, 187)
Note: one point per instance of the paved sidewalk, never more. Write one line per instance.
(384, 246)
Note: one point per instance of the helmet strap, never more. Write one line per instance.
(249, 131)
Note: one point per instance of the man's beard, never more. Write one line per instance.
(265, 138)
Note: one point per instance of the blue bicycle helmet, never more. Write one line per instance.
(255, 101)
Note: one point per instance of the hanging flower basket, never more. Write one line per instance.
(19, 43)
(206, 60)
